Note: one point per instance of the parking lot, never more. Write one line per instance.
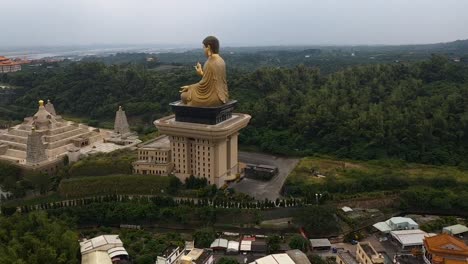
(265, 189)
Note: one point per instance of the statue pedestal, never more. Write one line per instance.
(203, 115)
(202, 144)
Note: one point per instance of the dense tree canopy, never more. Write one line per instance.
(412, 111)
(317, 220)
(37, 239)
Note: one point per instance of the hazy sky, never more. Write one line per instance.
(235, 22)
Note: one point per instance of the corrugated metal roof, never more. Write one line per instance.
(320, 242)
(455, 229)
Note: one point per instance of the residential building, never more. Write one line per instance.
(396, 223)
(345, 257)
(219, 244)
(170, 255)
(198, 256)
(233, 247)
(366, 254)
(444, 249)
(455, 230)
(409, 238)
(320, 244)
(290, 257)
(105, 249)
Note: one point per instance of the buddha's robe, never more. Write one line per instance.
(211, 90)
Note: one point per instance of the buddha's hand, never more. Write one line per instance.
(199, 69)
(183, 89)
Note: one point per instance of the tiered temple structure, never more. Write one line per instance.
(42, 141)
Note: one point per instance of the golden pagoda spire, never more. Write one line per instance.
(41, 103)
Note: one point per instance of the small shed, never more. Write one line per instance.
(320, 244)
(346, 209)
(220, 244)
(233, 247)
(245, 246)
(455, 230)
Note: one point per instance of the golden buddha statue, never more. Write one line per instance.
(211, 90)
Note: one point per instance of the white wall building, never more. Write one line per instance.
(105, 249)
(396, 223)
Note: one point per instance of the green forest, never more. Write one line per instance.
(413, 111)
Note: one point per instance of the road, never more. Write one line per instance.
(269, 189)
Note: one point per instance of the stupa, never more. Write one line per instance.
(122, 134)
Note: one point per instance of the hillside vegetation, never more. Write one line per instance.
(416, 112)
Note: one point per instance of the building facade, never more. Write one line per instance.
(366, 254)
(444, 248)
(154, 157)
(7, 65)
(204, 151)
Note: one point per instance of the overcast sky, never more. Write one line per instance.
(234, 22)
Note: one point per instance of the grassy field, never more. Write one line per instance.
(113, 184)
(310, 169)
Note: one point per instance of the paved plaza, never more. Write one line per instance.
(265, 189)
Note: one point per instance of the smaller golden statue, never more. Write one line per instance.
(211, 90)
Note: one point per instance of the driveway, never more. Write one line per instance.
(265, 189)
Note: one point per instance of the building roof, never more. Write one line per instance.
(195, 253)
(447, 245)
(117, 251)
(410, 237)
(346, 209)
(321, 242)
(298, 256)
(6, 62)
(347, 258)
(275, 259)
(245, 245)
(455, 229)
(386, 227)
(96, 257)
(382, 227)
(219, 243)
(259, 246)
(161, 142)
(100, 243)
(401, 220)
(101, 249)
(233, 246)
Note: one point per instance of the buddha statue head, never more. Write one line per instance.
(211, 45)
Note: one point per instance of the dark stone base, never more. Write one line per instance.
(203, 115)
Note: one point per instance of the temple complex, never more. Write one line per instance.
(201, 137)
(7, 65)
(42, 141)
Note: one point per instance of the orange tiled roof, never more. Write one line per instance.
(453, 261)
(6, 62)
(447, 245)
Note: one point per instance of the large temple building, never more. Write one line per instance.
(42, 141)
(154, 157)
(203, 145)
(7, 65)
